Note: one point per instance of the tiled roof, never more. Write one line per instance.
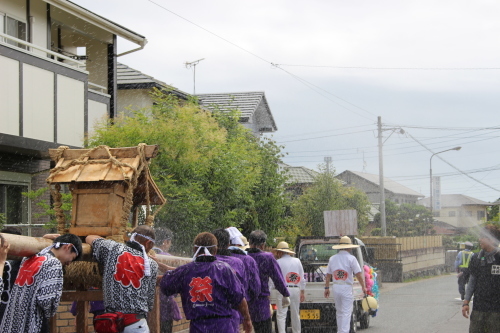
(246, 102)
(299, 175)
(129, 78)
(455, 200)
(389, 184)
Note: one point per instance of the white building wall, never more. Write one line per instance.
(133, 99)
(70, 111)
(38, 10)
(97, 112)
(9, 96)
(38, 103)
(14, 8)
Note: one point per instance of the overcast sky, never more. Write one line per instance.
(400, 52)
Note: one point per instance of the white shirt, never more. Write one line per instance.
(292, 271)
(343, 266)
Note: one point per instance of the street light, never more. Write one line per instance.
(430, 168)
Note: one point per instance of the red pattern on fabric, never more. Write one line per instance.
(340, 274)
(29, 269)
(292, 278)
(201, 289)
(129, 270)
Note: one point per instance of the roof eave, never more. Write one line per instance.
(99, 21)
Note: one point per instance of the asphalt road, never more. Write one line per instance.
(430, 305)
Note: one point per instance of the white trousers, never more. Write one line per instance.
(140, 327)
(342, 295)
(294, 311)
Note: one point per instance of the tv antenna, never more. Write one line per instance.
(193, 64)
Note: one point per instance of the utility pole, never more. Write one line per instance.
(328, 160)
(381, 178)
(193, 64)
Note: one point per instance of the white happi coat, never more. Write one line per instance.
(35, 294)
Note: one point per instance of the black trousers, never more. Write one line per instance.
(264, 326)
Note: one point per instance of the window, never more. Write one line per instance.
(451, 213)
(12, 204)
(13, 27)
(480, 214)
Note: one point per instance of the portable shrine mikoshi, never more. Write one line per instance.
(106, 184)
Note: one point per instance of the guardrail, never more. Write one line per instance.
(76, 63)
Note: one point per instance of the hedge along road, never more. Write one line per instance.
(430, 305)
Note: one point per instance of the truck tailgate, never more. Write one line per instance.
(315, 293)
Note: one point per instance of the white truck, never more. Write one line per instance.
(317, 313)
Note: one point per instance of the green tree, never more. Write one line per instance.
(48, 209)
(209, 167)
(406, 220)
(493, 213)
(328, 193)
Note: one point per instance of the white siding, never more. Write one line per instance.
(97, 113)
(133, 99)
(9, 96)
(14, 8)
(70, 111)
(39, 28)
(38, 103)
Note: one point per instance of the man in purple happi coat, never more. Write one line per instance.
(268, 268)
(209, 290)
(251, 268)
(223, 254)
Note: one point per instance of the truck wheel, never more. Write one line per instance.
(364, 321)
(354, 322)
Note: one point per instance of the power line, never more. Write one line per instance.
(306, 83)
(397, 68)
(454, 167)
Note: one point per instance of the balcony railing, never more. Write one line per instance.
(70, 61)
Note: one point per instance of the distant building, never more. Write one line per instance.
(459, 211)
(255, 112)
(135, 87)
(299, 178)
(369, 183)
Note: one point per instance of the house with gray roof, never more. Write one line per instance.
(299, 178)
(255, 112)
(460, 211)
(370, 184)
(135, 87)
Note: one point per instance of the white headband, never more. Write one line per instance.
(147, 268)
(207, 253)
(57, 245)
(234, 235)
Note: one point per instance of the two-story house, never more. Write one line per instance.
(370, 184)
(460, 211)
(58, 65)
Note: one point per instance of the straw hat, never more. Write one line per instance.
(283, 247)
(345, 243)
(369, 303)
(245, 243)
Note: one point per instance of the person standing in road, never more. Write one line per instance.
(268, 268)
(209, 290)
(484, 284)
(129, 277)
(462, 267)
(342, 267)
(223, 254)
(293, 272)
